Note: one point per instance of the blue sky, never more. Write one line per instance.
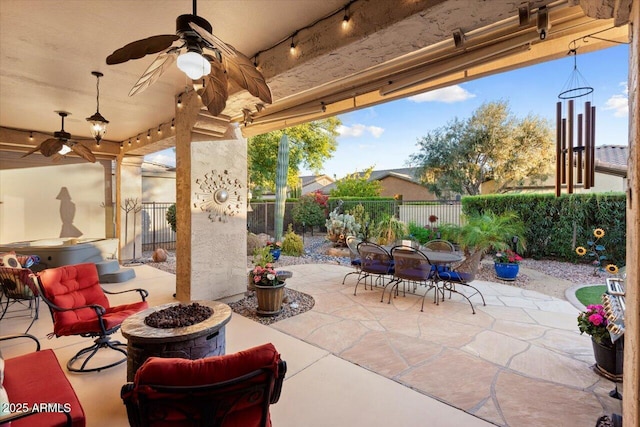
(385, 136)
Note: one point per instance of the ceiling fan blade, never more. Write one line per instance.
(243, 72)
(140, 48)
(33, 150)
(83, 152)
(239, 67)
(214, 94)
(155, 70)
(51, 146)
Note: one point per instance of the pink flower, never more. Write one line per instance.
(596, 319)
(256, 279)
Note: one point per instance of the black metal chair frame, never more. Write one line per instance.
(102, 337)
(368, 259)
(470, 268)
(13, 291)
(204, 405)
(353, 255)
(440, 245)
(416, 255)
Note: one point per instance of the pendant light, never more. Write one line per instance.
(98, 122)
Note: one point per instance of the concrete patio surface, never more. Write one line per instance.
(352, 360)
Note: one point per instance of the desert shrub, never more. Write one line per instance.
(171, 217)
(422, 234)
(310, 210)
(292, 243)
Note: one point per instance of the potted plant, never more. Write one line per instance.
(267, 283)
(594, 322)
(275, 249)
(507, 264)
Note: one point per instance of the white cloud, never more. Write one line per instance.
(451, 94)
(358, 130)
(619, 102)
(162, 159)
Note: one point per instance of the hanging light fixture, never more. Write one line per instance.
(193, 64)
(98, 122)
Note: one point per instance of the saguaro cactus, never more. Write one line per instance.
(281, 186)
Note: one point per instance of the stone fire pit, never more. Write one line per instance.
(202, 339)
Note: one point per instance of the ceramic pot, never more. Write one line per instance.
(606, 358)
(275, 253)
(269, 299)
(506, 271)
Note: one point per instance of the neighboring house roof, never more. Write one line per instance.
(612, 159)
(407, 174)
(310, 179)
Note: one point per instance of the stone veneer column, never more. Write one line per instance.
(128, 186)
(631, 385)
(211, 237)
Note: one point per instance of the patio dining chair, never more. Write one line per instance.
(411, 265)
(439, 245)
(463, 275)
(352, 244)
(17, 286)
(376, 262)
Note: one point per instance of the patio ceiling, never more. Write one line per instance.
(389, 50)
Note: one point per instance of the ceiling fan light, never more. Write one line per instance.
(194, 65)
(64, 150)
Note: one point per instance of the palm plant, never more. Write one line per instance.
(390, 229)
(486, 232)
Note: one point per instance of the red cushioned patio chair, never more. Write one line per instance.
(79, 306)
(234, 390)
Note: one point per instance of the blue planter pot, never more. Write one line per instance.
(506, 271)
(275, 253)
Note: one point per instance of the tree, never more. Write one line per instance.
(491, 145)
(310, 145)
(357, 185)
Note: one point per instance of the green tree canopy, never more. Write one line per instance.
(491, 145)
(357, 184)
(310, 145)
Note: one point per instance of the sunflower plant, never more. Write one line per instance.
(596, 250)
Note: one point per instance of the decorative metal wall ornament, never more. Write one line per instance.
(220, 195)
(581, 156)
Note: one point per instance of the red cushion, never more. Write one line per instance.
(184, 372)
(37, 378)
(77, 285)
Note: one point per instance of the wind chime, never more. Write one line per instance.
(578, 157)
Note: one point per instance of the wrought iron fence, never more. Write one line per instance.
(156, 231)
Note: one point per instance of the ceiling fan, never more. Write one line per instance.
(52, 146)
(205, 58)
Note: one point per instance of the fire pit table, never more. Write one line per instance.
(203, 339)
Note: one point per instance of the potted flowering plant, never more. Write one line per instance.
(506, 264)
(594, 322)
(267, 283)
(275, 249)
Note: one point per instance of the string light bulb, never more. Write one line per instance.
(121, 145)
(129, 142)
(345, 19)
(292, 48)
(173, 124)
(30, 136)
(179, 100)
(149, 134)
(138, 139)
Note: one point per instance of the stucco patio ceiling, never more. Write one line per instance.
(390, 49)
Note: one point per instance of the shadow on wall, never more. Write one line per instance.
(67, 214)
